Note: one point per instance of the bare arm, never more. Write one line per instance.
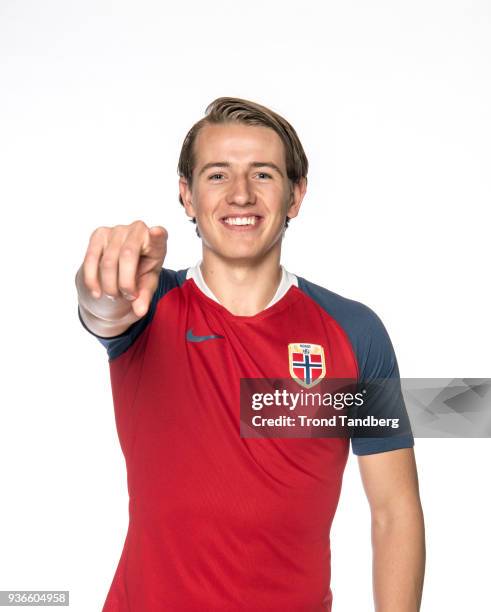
(119, 276)
(398, 540)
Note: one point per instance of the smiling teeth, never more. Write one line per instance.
(240, 220)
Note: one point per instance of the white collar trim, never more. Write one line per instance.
(287, 280)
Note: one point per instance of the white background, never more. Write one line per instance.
(391, 100)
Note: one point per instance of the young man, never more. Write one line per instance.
(219, 521)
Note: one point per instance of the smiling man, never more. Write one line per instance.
(221, 521)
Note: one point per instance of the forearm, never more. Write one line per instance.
(398, 542)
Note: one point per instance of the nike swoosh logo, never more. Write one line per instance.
(192, 338)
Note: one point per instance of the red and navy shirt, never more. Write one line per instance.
(218, 521)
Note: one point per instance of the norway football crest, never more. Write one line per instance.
(307, 363)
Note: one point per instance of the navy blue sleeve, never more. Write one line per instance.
(116, 345)
(376, 363)
(379, 374)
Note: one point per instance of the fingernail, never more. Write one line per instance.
(95, 294)
(128, 296)
(109, 297)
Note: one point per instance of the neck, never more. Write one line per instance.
(243, 287)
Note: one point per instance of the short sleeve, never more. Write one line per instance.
(379, 376)
(377, 369)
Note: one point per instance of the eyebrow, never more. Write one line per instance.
(257, 164)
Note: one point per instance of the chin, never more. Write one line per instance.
(236, 252)
(249, 254)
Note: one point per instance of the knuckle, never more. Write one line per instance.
(99, 231)
(107, 263)
(127, 251)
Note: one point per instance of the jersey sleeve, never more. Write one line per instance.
(117, 345)
(379, 375)
(377, 369)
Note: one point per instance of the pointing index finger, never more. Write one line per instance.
(154, 243)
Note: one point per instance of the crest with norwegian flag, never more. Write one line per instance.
(307, 363)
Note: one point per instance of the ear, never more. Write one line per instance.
(186, 196)
(298, 191)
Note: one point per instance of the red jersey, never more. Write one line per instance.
(218, 521)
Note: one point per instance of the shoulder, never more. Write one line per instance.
(169, 279)
(376, 361)
(364, 328)
(339, 307)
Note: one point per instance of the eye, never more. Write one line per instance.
(213, 176)
(264, 174)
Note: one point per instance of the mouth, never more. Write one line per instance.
(241, 222)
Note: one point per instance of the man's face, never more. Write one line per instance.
(240, 192)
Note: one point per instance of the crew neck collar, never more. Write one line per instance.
(287, 280)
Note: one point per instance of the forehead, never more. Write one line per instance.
(236, 142)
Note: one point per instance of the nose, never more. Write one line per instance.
(240, 192)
